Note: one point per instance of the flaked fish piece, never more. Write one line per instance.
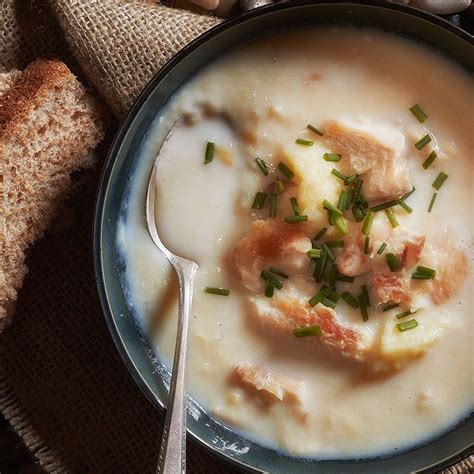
(289, 309)
(389, 288)
(452, 269)
(375, 152)
(352, 261)
(270, 242)
(270, 385)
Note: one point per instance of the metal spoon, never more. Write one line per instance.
(172, 458)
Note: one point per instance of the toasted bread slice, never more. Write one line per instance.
(48, 126)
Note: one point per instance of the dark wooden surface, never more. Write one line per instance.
(14, 457)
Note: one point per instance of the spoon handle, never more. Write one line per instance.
(172, 459)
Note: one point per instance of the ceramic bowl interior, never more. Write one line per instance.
(131, 343)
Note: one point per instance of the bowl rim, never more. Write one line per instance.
(115, 147)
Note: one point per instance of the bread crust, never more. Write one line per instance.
(48, 126)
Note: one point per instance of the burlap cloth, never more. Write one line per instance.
(63, 388)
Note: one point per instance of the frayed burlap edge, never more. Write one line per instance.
(19, 420)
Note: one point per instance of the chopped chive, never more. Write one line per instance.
(390, 306)
(408, 194)
(314, 129)
(279, 187)
(351, 179)
(320, 233)
(406, 325)
(332, 276)
(329, 303)
(273, 205)
(357, 213)
(366, 245)
(307, 331)
(365, 294)
(420, 276)
(332, 157)
(405, 206)
(363, 308)
(314, 253)
(433, 199)
(423, 142)
(210, 150)
(302, 141)
(369, 220)
(440, 179)
(320, 266)
(278, 272)
(391, 217)
(357, 190)
(294, 205)
(262, 165)
(268, 276)
(334, 243)
(342, 277)
(392, 262)
(293, 219)
(339, 175)
(350, 300)
(425, 271)
(328, 252)
(344, 200)
(285, 170)
(330, 218)
(330, 207)
(341, 225)
(269, 288)
(431, 157)
(381, 248)
(385, 205)
(334, 296)
(319, 296)
(217, 291)
(418, 112)
(259, 200)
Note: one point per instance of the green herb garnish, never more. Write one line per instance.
(279, 187)
(302, 141)
(365, 294)
(392, 262)
(363, 308)
(320, 266)
(334, 243)
(369, 219)
(340, 175)
(344, 200)
(210, 150)
(350, 300)
(381, 248)
(433, 199)
(332, 157)
(440, 179)
(431, 157)
(285, 170)
(330, 207)
(262, 165)
(217, 291)
(328, 252)
(320, 233)
(341, 225)
(307, 331)
(357, 213)
(259, 200)
(314, 129)
(408, 194)
(390, 306)
(423, 142)
(269, 288)
(406, 313)
(319, 296)
(406, 325)
(391, 217)
(273, 205)
(268, 276)
(405, 206)
(277, 272)
(293, 219)
(385, 205)
(424, 273)
(418, 112)
(366, 245)
(294, 206)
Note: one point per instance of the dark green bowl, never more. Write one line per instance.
(130, 342)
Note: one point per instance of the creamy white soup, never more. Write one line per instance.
(322, 180)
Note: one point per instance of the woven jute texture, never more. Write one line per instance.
(63, 387)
